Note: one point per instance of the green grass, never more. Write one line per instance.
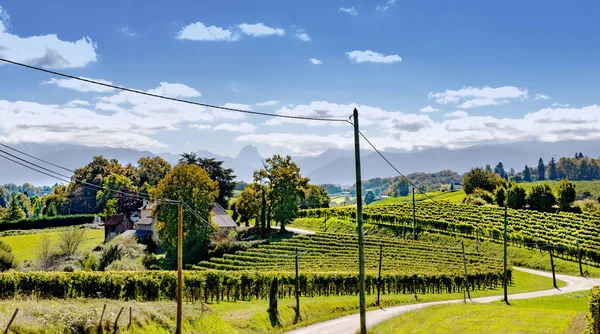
(453, 197)
(60, 316)
(554, 314)
(26, 246)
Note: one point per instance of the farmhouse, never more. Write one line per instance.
(116, 225)
(220, 217)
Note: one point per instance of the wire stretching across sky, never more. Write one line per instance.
(171, 98)
(202, 105)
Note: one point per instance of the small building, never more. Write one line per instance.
(148, 226)
(222, 218)
(116, 225)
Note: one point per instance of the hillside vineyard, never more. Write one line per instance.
(559, 231)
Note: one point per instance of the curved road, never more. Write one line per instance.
(351, 324)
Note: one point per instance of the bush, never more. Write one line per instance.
(70, 240)
(120, 249)
(89, 262)
(594, 302)
(479, 196)
(479, 178)
(516, 197)
(150, 262)
(541, 198)
(7, 259)
(125, 265)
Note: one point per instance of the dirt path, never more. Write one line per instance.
(351, 324)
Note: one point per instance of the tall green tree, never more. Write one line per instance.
(478, 178)
(499, 169)
(500, 195)
(82, 198)
(541, 198)
(152, 170)
(315, 197)
(552, 172)
(285, 187)
(4, 197)
(24, 203)
(541, 170)
(224, 176)
(516, 197)
(14, 211)
(112, 184)
(249, 203)
(400, 188)
(369, 197)
(526, 174)
(565, 194)
(192, 185)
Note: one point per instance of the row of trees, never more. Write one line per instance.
(489, 187)
(579, 167)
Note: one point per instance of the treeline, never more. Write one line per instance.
(482, 186)
(579, 167)
(397, 186)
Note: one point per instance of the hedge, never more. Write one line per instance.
(594, 302)
(214, 285)
(46, 222)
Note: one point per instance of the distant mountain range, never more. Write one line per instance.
(334, 166)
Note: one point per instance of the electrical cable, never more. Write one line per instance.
(169, 98)
(391, 165)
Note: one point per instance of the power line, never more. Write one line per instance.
(36, 158)
(170, 98)
(391, 165)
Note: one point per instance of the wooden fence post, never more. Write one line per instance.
(128, 326)
(11, 321)
(116, 327)
(101, 318)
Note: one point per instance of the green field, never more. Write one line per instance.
(554, 314)
(26, 246)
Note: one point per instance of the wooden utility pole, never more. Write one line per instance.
(466, 274)
(552, 265)
(379, 275)
(579, 256)
(361, 228)
(179, 267)
(297, 289)
(505, 276)
(414, 215)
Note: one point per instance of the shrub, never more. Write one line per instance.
(89, 262)
(7, 259)
(479, 197)
(70, 240)
(125, 265)
(119, 249)
(594, 302)
(541, 198)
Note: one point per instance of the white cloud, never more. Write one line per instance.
(350, 11)
(199, 32)
(482, 102)
(44, 50)
(242, 127)
(388, 5)
(315, 61)
(428, 109)
(109, 107)
(75, 103)
(201, 126)
(457, 114)
(560, 105)
(259, 30)
(127, 32)
(80, 86)
(372, 57)
(541, 97)
(302, 35)
(267, 104)
(477, 97)
(175, 90)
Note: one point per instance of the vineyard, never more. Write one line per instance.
(561, 231)
(331, 260)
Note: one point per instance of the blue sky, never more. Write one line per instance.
(423, 73)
